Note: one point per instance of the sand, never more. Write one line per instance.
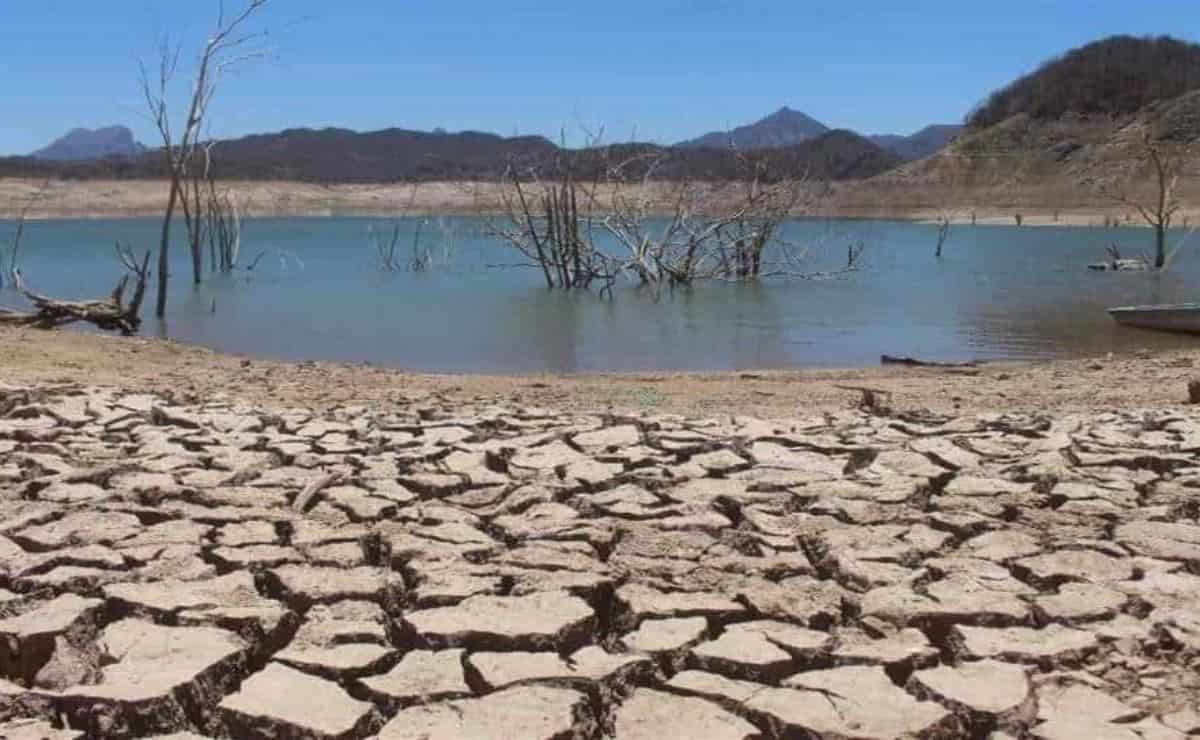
(1127, 381)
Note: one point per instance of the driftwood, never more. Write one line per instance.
(111, 314)
(913, 362)
(875, 401)
(313, 488)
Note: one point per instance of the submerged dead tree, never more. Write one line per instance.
(677, 232)
(8, 267)
(942, 235)
(227, 47)
(592, 223)
(223, 222)
(544, 222)
(1158, 210)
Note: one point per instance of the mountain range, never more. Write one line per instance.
(787, 127)
(1077, 119)
(394, 155)
(375, 156)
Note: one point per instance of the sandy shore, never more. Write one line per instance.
(1142, 380)
(145, 198)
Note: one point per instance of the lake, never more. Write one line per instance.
(999, 292)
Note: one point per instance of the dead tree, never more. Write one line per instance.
(385, 248)
(224, 229)
(224, 49)
(542, 219)
(14, 250)
(385, 245)
(681, 232)
(943, 233)
(1164, 204)
(112, 314)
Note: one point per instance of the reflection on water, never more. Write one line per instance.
(998, 292)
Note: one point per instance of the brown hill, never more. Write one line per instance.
(1054, 150)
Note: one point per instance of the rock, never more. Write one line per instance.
(279, 701)
(653, 715)
(526, 712)
(539, 621)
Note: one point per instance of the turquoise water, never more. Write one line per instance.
(998, 292)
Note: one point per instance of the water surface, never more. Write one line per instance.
(998, 292)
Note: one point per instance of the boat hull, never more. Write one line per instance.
(1181, 317)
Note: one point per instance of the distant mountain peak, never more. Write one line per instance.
(84, 144)
(785, 127)
(921, 144)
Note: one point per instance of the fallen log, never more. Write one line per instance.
(312, 489)
(914, 362)
(111, 314)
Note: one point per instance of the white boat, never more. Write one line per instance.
(1181, 317)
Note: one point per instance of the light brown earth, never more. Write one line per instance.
(446, 559)
(890, 196)
(1127, 381)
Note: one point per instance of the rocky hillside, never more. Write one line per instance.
(923, 143)
(84, 144)
(1030, 136)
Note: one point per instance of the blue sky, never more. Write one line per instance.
(663, 69)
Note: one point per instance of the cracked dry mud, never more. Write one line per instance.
(427, 570)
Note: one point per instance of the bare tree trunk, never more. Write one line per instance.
(1160, 246)
(160, 307)
(196, 235)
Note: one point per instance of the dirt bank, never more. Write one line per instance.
(870, 199)
(1144, 380)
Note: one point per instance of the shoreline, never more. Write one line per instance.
(1146, 379)
(120, 199)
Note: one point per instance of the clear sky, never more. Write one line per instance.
(663, 69)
